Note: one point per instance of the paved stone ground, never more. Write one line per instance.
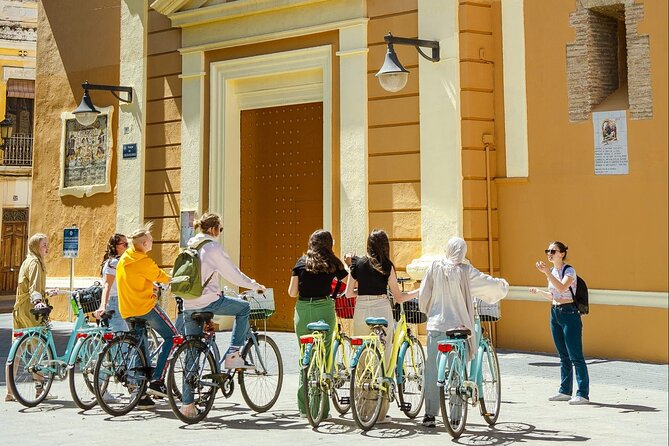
(629, 406)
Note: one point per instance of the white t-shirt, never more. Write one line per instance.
(571, 272)
(110, 269)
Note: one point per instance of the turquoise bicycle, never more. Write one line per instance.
(455, 389)
(34, 364)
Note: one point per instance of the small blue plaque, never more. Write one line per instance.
(71, 243)
(129, 151)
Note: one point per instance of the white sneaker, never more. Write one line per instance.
(560, 397)
(109, 398)
(578, 400)
(235, 361)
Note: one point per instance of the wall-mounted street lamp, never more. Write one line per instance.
(6, 130)
(86, 113)
(392, 75)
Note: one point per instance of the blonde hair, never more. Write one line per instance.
(208, 221)
(140, 233)
(33, 247)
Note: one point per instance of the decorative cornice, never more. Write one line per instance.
(604, 297)
(166, 7)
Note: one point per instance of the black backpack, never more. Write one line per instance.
(581, 295)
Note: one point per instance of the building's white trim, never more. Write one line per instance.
(515, 88)
(353, 139)
(440, 131)
(268, 37)
(603, 297)
(132, 117)
(288, 77)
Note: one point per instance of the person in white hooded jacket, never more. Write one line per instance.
(446, 296)
(215, 261)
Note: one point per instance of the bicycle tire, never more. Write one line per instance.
(22, 381)
(80, 376)
(341, 375)
(315, 395)
(451, 399)
(267, 374)
(195, 357)
(491, 398)
(121, 376)
(368, 373)
(412, 388)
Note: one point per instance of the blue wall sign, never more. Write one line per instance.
(129, 151)
(71, 243)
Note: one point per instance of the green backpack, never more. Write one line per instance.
(186, 280)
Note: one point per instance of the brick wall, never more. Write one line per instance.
(592, 59)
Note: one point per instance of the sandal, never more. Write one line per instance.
(9, 398)
(190, 410)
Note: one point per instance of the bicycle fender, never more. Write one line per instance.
(441, 367)
(400, 361)
(356, 356)
(307, 353)
(15, 344)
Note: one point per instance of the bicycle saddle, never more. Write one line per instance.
(202, 317)
(136, 320)
(42, 311)
(318, 326)
(371, 321)
(107, 315)
(458, 333)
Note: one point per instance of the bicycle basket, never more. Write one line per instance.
(89, 298)
(262, 305)
(488, 312)
(344, 306)
(413, 314)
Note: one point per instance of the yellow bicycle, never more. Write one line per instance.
(372, 379)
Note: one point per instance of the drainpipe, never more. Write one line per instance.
(487, 142)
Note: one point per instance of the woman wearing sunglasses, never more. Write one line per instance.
(566, 324)
(116, 246)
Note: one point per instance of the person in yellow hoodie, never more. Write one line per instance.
(135, 274)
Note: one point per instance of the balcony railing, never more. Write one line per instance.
(18, 151)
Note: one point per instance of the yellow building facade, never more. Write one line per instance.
(269, 113)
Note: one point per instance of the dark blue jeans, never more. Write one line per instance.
(567, 331)
(159, 321)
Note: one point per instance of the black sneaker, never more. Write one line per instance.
(428, 421)
(146, 403)
(157, 388)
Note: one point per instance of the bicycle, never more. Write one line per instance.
(122, 371)
(372, 379)
(33, 360)
(325, 373)
(196, 366)
(483, 389)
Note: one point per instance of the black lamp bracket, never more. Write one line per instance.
(417, 43)
(113, 89)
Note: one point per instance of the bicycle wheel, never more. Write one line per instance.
(29, 376)
(315, 395)
(261, 386)
(81, 373)
(490, 399)
(412, 390)
(366, 395)
(120, 376)
(340, 391)
(452, 397)
(191, 373)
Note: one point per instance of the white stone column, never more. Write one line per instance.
(192, 131)
(515, 88)
(353, 138)
(132, 117)
(440, 131)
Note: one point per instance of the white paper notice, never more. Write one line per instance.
(610, 143)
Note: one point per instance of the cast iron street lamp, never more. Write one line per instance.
(6, 130)
(392, 75)
(86, 113)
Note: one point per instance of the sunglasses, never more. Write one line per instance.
(551, 251)
(122, 244)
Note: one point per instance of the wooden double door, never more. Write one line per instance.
(281, 195)
(13, 247)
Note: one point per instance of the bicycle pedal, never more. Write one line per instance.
(405, 407)
(345, 400)
(218, 378)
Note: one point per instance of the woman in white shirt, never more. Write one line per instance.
(566, 324)
(116, 246)
(214, 261)
(446, 295)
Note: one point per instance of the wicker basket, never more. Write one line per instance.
(262, 305)
(88, 299)
(488, 312)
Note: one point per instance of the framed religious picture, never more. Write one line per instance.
(86, 155)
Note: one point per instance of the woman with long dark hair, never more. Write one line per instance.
(116, 246)
(373, 274)
(311, 282)
(566, 324)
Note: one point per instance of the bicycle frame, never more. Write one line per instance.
(306, 348)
